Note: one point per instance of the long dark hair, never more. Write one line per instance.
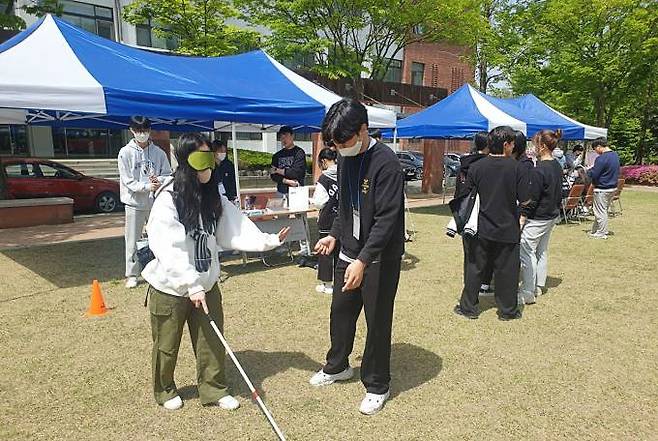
(520, 144)
(191, 196)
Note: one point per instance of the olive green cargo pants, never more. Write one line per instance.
(168, 315)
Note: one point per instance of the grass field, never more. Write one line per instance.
(581, 364)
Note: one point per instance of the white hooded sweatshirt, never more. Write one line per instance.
(173, 270)
(136, 165)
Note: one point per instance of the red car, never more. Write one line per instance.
(41, 178)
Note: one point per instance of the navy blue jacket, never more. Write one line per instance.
(605, 172)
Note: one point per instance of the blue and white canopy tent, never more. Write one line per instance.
(59, 75)
(468, 111)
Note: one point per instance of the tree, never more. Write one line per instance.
(10, 21)
(200, 26)
(593, 59)
(349, 38)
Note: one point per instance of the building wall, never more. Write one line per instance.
(445, 65)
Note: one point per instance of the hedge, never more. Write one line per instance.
(258, 161)
(640, 174)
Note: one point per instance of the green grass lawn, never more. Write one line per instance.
(581, 364)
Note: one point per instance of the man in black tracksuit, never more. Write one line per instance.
(480, 150)
(500, 183)
(288, 164)
(370, 229)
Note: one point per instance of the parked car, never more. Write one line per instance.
(412, 164)
(451, 162)
(41, 178)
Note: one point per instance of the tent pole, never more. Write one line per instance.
(235, 163)
(395, 140)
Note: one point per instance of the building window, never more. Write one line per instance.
(148, 38)
(394, 72)
(249, 136)
(86, 143)
(13, 140)
(95, 19)
(417, 73)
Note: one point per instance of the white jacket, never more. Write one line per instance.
(136, 165)
(471, 227)
(173, 270)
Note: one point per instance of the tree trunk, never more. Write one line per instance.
(358, 87)
(640, 153)
(483, 75)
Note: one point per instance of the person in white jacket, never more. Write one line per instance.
(142, 168)
(188, 226)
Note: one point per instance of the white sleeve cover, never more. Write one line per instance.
(237, 232)
(320, 196)
(167, 242)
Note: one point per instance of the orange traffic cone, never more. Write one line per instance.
(97, 305)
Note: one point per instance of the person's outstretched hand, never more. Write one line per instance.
(283, 234)
(325, 246)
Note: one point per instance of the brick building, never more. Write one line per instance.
(437, 65)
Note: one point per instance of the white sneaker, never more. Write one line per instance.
(527, 300)
(320, 378)
(131, 282)
(319, 288)
(228, 403)
(539, 292)
(328, 289)
(373, 403)
(173, 403)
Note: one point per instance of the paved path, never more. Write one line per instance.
(101, 226)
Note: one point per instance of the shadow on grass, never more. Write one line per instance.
(409, 262)
(72, 264)
(260, 365)
(441, 210)
(553, 282)
(411, 367)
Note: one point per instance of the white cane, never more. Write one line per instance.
(254, 392)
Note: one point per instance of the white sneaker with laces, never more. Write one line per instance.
(373, 403)
(228, 403)
(173, 403)
(131, 282)
(320, 378)
(319, 288)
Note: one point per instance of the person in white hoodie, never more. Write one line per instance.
(143, 166)
(325, 199)
(188, 226)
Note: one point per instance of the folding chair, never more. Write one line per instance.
(617, 198)
(586, 205)
(571, 203)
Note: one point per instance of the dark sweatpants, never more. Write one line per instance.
(487, 274)
(504, 259)
(327, 264)
(376, 296)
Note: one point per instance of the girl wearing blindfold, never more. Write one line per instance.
(189, 225)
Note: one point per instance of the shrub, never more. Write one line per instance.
(640, 174)
(253, 161)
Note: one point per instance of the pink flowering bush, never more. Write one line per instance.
(640, 174)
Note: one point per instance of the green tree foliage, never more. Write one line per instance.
(355, 37)
(199, 25)
(9, 20)
(594, 59)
